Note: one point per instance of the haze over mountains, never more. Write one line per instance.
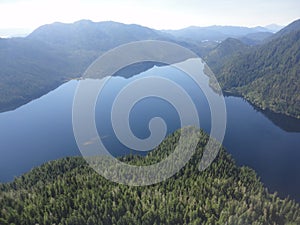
(14, 32)
(245, 63)
(215, 33)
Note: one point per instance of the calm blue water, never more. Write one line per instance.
(42, 130)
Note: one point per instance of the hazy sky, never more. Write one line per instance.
(159, 14)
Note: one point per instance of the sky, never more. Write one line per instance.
(158, 14)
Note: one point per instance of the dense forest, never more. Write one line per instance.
(267, 75)
(29, 69)
(68, 191)
(52, 54)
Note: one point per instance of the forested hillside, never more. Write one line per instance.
(68, 191)
(268, 75)
(29, 69)
(223, 53)
(265, 74)
(55, 53)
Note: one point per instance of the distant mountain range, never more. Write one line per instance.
(54, 53)
(87, 35)
(22, 32)
(274, 27)
(294, 26)
(214, 33)
(14, 32)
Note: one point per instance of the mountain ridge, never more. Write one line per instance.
(216, 33)
(267, 75)
(55, 53)
(293, 26)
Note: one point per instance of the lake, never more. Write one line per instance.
(42, 130)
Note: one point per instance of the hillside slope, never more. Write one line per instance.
(30, 69)
(268, 75)
(54, 53)
(218, 57)
(294, 26)
(67, 191)
(93, 36)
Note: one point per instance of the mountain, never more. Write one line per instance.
(255, 38)
(224, 51)
(28, 70)
(213, 33)
(95, 36)
(236, 30)
(197, 34)
(274, 27)
(55, 53)
(294, 26)
(268, 75)
(69, 192)
(14, 32)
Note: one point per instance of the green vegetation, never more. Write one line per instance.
(52, 54)
(68, 191)
(223, 53)
(256, 38)
(29, 69)
(268, 75)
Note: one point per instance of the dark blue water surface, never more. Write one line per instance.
(42, 130)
